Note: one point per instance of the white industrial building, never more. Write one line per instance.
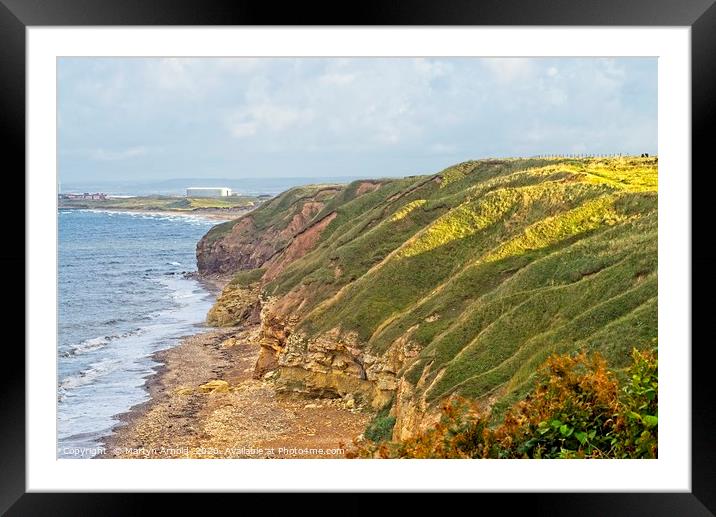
(208, 192)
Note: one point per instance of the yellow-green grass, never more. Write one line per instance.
(403, 212)
(486, 267)
(247, 277)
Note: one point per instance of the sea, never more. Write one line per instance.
(123, 294)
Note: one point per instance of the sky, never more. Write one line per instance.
(150, 119)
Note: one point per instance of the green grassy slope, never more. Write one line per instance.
(487, 268)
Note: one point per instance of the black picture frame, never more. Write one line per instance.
(700, 15)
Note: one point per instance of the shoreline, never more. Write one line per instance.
(204, 403)
(211, 214)
(213, 284)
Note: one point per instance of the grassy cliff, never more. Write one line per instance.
(459, 283)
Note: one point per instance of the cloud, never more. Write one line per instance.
(354, 115)
(198, 76)
(442, 148)
(279, 118)
(431, 68)
(388, 135)
(242, 129)
(242, 65)
(249, 121)
(105, 155)
(510, 69)
(172, 74)
(337, 79)
(556, 96)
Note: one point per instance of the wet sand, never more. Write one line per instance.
(204, 403)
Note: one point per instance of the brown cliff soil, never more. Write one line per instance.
(205, 404)
(301, 244)
(244, 246)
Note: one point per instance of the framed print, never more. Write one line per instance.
(440, 250)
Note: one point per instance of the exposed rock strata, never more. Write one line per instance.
(236, 305)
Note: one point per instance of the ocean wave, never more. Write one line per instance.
(103, 376)
(87, 376)
(113, 321)
(95, 343)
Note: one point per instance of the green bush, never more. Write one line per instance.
(381, 427)
(637, 436)
(576, 411)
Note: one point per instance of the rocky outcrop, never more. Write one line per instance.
(236, 305)
(215, 386)
(411, 411)
(240, 247)
(273, 334)
(332, 364)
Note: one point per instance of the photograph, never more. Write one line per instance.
(418, 249)
(359, 258)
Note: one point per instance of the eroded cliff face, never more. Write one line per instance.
(304, 239)
(334, 364)
(251, 241)
(241, 248)
(329, 365)
(411, 292)
(236, 305)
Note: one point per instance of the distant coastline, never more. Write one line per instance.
(220, 208)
